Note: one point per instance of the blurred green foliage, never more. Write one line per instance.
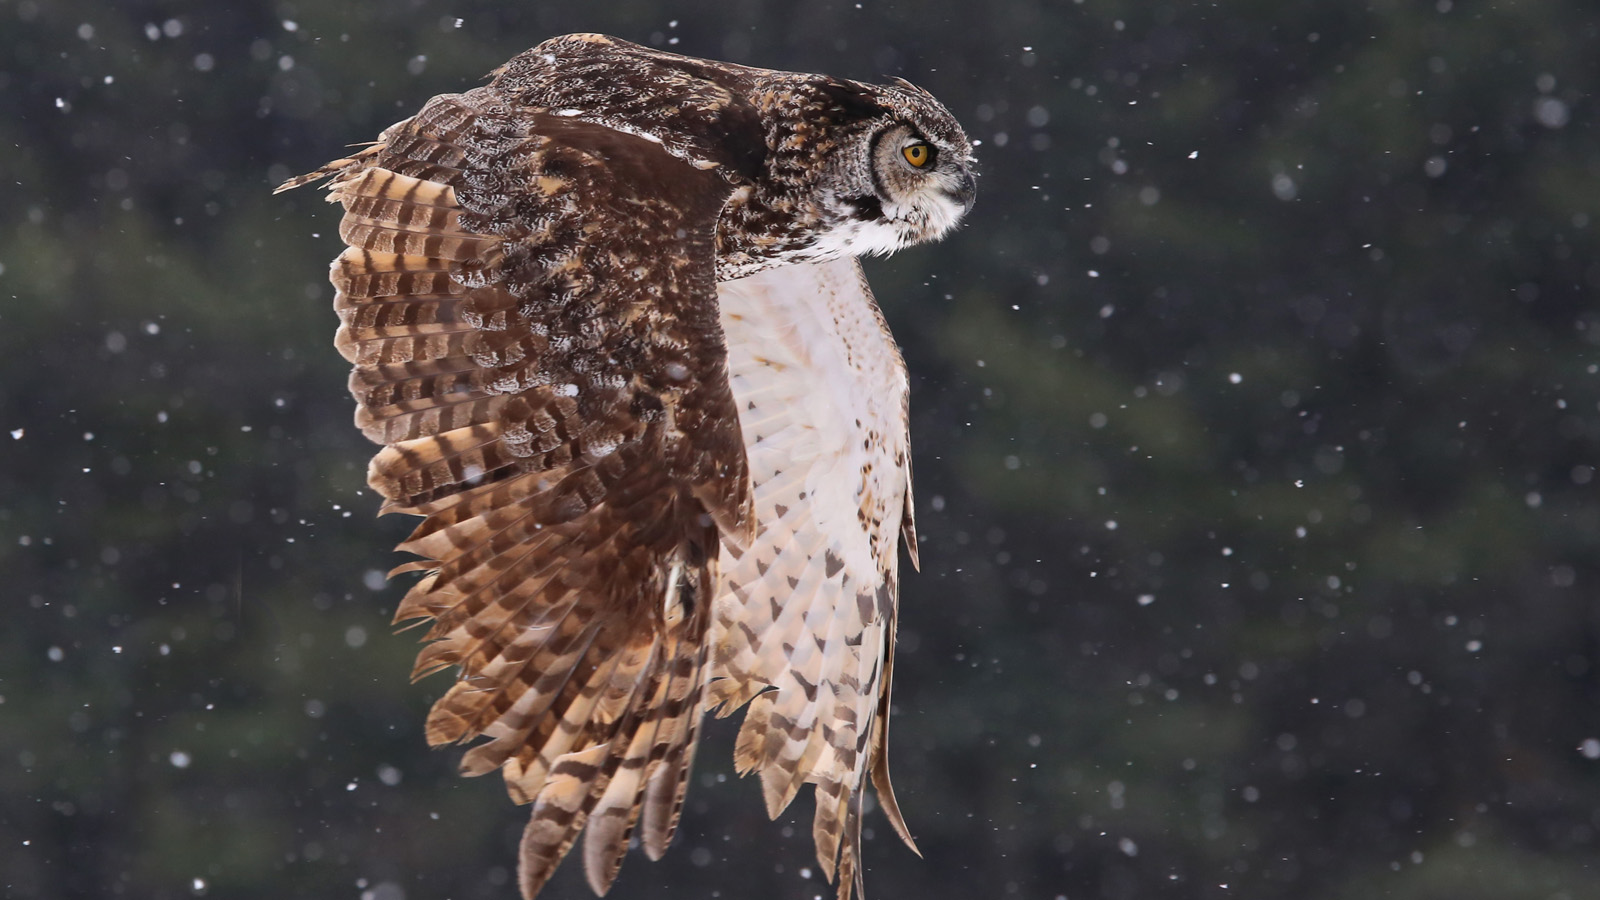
(1256, 415)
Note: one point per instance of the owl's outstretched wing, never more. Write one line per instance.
(529, 301)
(805, 632)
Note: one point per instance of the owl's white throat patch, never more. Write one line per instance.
(900, 225)
(862, 237)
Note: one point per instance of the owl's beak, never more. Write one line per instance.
(967, 193)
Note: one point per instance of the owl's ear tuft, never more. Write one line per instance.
(850, 98)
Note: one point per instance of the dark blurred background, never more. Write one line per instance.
(1255, 415)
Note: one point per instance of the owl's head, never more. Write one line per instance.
(901, 174)
(848, 169)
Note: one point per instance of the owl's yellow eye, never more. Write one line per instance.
(918, 154)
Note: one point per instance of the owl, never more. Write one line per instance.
(608, 324)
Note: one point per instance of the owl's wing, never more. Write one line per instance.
(530, 305)
(805, 629)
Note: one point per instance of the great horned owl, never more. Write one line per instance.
(608, 325)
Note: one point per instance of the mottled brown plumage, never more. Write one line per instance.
(625, 524)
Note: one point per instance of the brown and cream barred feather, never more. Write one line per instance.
(537, 397)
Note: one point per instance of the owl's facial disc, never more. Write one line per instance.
(921, 187)
(921, 181)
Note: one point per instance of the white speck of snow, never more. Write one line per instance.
(355, 636)
(1551, 112)
(1094, 273)
(198, 885)
(374, 579)
(1146, 599)
(1590, 748)
(417, 64)
(172, 28)
(1111, 524)
(351, 786)
(179, 759)
(1474, 646)
(55, 654)
(1128, 847)
(1235, 378)
(291, 25)
(17, 433)
(389, 775)
(1194, 154)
